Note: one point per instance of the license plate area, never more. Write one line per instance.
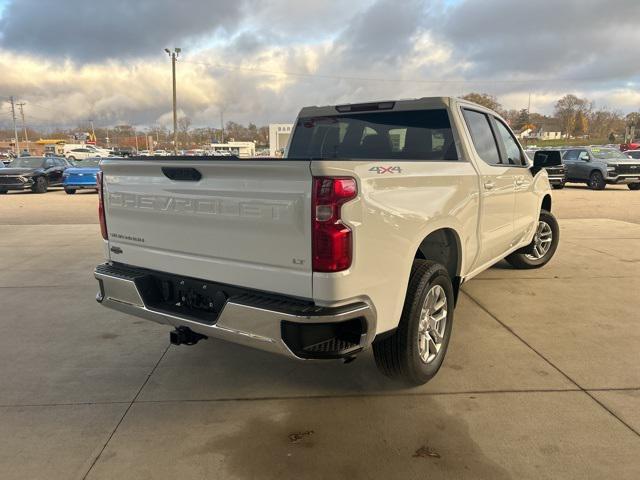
(184, 297)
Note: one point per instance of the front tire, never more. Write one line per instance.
(3, 191)
(558, 186)
(596, 181)
(41, 185)
(416, 350)
(542, 247)
(70, 191)
(634, 186)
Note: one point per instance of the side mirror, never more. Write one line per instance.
(546, 158)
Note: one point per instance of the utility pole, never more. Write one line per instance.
(221, 126)
(174, 55)
(15, 126)
(529, 105)
(24, 125)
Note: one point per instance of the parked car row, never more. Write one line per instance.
(39, 173)
(595, 166)
(197, 152)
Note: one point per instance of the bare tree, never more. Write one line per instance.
(184, 123)
(484, 99)
(567, 109)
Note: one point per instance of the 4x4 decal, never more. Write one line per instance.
(383, 170)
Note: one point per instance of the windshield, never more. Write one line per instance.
(412, 135)
(608, 154)
(87, 162)
(27, 162)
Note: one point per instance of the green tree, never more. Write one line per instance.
(522, 119)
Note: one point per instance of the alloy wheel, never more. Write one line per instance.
(541, 241)
(432, 325)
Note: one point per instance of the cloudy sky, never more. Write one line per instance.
(261, 60)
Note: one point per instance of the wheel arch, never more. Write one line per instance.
(443, 246)
(546, 202)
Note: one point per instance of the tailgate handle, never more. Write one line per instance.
(182, 174)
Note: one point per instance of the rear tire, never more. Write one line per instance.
(71, 159)
(596, 181)
(634, 186)
(70, 191)
(41, 185)
(416, 350)
(3, 191)
(538, 252)
(558, 187)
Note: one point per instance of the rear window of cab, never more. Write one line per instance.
(401, 135)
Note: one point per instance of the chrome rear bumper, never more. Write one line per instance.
(238, 321)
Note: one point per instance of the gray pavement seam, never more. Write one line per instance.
(534, 350)
(336, 396)
(95, 460)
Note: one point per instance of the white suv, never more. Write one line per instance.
(80, 152)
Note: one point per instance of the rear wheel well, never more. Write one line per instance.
(443, 246)
(546, 203)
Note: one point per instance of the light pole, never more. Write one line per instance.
(174, 55)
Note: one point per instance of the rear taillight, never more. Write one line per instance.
(103, 221)
(332, 242)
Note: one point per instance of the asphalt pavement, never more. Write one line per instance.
(542, 379)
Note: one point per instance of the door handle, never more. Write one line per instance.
(519, 182)
(489, 185)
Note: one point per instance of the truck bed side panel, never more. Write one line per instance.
(392, 215)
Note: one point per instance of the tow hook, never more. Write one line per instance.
(185, 336)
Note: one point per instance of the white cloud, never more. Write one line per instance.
(271, 57)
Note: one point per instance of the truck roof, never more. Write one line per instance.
(423, 103)
(387, 105)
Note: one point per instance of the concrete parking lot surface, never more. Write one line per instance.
(542, 379)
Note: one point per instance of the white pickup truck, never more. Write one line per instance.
(361, 236)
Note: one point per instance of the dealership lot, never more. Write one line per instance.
(542, 379)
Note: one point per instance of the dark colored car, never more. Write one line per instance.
(34, 173)
(599, 166)
(124, 151)
(81, 175)
(551, 161)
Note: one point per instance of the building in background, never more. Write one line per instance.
(239, 149)
(279, 134)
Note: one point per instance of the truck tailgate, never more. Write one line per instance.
(244, 223)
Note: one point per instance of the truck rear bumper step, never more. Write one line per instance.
(300, 332)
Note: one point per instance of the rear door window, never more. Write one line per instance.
(571, 155)
(512, 150)
(410, 135)
(482, 136)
